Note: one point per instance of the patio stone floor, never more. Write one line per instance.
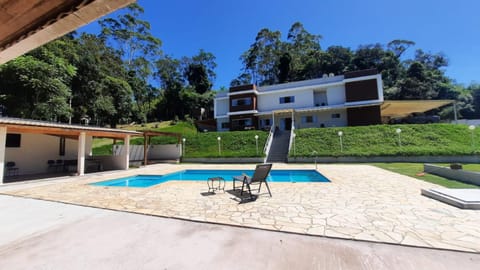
(361, 202)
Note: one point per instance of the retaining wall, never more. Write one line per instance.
(459, 175)
(223, 160)
(415, 159)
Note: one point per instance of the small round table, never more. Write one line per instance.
(212, 186)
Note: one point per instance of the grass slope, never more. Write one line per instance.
(412, 169)
(233, 144)
(382, 140)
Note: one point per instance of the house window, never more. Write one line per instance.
(266, 122)
(242, 101)
(335, 115)
(245, 122)
(225, 125)
(13, 140)
(290, 99)
(308, 119)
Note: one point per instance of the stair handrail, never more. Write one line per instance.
(292, 135)
(268, 144)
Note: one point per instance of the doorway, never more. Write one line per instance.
(286, 124)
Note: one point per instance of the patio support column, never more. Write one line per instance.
(3, 139)
(126, 157)
(81, 154)
(273, 121)
(293, 119)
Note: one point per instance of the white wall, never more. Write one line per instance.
(221, 107)
(319, 98)
(322, 117)
(161, 152)
(165, 152)
(475, 122)
(219, 124)
(36, 149)
(271, 101)
(336, 95)
(111, 162)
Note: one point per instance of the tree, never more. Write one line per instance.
(199, 71)
(96, 62)
(261, 60)
(284, 68)
(115, 103)
(301, 46)
(133, 38)
(336, 60)
(170, 77)
(37, 85)
(138, 48)
(399, 46)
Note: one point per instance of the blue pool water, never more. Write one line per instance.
(203, 175)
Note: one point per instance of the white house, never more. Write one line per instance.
(345, 100)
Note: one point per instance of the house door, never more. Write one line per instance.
(288, 123)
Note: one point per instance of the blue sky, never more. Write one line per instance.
(227, 28)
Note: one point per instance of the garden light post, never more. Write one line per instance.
(340, 134)
(183, 145)
(398, 131)
(472, 128)
(219, 146)
(256, 143)
(315, 153)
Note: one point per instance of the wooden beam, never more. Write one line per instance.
(65, 132)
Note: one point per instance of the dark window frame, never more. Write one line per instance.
(245, 101)
(13, 140)
(287, 99)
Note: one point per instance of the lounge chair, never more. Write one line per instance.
(259, 177)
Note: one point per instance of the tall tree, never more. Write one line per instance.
(170, 77)
(199, 71)
(301, 46)
(133, 38)
(399, 46)
(139, 49)
(261, 60)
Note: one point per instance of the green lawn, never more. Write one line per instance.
(412, 169)
(233, 144)
(382, 140)
(198, 144)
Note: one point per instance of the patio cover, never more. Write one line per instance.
(401, 108)
(28, 24)
(77, 132)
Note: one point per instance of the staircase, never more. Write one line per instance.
(279, 149)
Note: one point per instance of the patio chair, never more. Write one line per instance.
(11, 168)
(51, 165)
(259, 176)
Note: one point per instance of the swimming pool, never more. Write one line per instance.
(203, 175)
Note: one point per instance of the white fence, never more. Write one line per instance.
(475, 122)
(154, 152)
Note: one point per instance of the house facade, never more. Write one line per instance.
(351, 99)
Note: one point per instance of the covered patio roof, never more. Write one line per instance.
(28, 24)
(401, 108)
(66, 130)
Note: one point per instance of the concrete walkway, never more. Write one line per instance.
(46, 235)
(361, 202)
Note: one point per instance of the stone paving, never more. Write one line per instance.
(361, 202)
